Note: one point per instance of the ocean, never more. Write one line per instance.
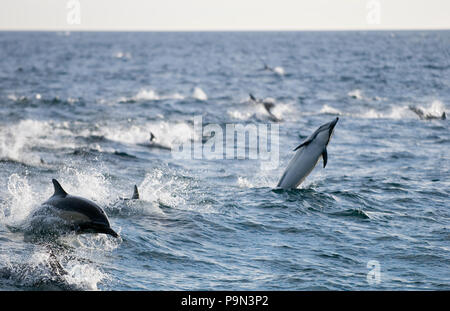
(80, 106)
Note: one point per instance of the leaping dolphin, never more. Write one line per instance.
(278, 70)
(427, 116)
(268, 105)
(307, 156)
(83, 216)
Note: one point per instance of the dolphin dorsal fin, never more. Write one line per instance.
(59, 191)
(135, 193)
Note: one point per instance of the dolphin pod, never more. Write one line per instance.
(307, 156)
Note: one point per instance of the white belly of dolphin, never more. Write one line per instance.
(300, 166)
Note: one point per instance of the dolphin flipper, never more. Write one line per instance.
(135, 193)
(59, 191)
(325, 157)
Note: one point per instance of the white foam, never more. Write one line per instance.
(20, 201)
(279, 70)
(166, 133)
(17, 139)
(122, 55)
(83, 276)
(146, 95)
(329, 110)
(199, 94)
(150, 94)
(436, 108)
(357, 94)
(158, 187)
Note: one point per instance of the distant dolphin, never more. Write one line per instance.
(307, 156)
(428, 116)
(82, 215)
(278, 70)
(268, 105)
(135, 195)
(153, 144)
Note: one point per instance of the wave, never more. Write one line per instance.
(248, 111)
(33, 99)
(152, 95)
(436, 108)
(123, 55)
(16, 140)
(166, 133)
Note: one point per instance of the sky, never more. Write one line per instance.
(223, 15)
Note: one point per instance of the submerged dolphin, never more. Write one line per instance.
(83, 216)
(307, 156)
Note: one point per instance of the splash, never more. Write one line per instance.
(279, 70)
(166, 133)
(20, 201)
(356, 94)
(151, 95)
(329, 110)
(199, 94)
(16, 140)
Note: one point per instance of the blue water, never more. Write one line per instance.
(77, 106)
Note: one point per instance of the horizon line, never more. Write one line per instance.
(220, 30)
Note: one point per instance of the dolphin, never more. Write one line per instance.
(427, 116)
(135, 195)
(307, 156)
(268, 105)
(278, 70)
(82, 215)
(153, 144)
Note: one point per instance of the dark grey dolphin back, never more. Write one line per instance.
(85, 215)
(135, 193)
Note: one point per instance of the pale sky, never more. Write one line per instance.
(191, 15)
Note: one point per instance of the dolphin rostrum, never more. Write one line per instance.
(83, 215)
(307, 156)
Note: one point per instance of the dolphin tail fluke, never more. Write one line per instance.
(135, 193)
(325, 157)
(59, 191)
(252, 97)
(443, 117)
